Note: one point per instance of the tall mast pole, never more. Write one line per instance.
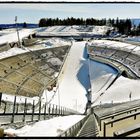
(17, 31)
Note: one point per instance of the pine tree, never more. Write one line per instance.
(42, 22)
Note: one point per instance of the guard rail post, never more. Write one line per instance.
(100, 123)
(45, 111)
(39, 109)
(13, 114)
(5, 108)
(104, 133)
(56, 110)
(17, 108)
(33, 109)
(25, 104)
(61, 111)
(51, 110)
(0, 97)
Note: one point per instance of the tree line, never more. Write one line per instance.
(124, 26)
(70, 21)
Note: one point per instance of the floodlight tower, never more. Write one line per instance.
(17, 32)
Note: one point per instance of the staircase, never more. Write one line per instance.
(89, 128)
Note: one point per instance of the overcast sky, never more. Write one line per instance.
(31, 13)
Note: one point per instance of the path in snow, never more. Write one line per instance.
(73, 87)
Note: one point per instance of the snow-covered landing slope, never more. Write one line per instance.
(101, 76)
(120, 91)
(75, 81)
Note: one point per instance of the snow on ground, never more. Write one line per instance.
(73, 85)
(116, 44)
(7, 31)
(12, 52)
(100, 29)
(133, 39)
(101, 76)
(16, 51)
(75, 81)
(120, 91)
(55, 42)
(51, 127)
(48, 43)
(12, 37)
(74, 30)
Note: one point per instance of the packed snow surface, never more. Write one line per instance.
(101, 76)
(55, 42)
(51, 127)
(120, 91)
(122, 87)
(74, 82)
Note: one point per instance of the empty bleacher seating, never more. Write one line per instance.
(112, 55)
(29, 73)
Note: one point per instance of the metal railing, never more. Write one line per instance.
(12, 112)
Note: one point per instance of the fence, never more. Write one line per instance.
(30, 111)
